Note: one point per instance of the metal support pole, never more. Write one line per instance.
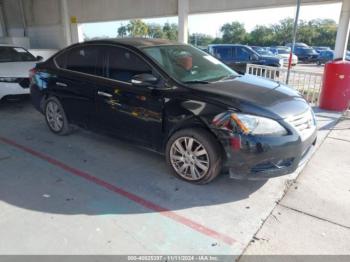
(3, 27)
(65, 20)
(343, 31)
(183, 10)
(24, 22)
(295, 29)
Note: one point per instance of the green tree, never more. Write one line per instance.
(87, 38)
(155, 31)
(261, 35)
(170, 31)
(321, 32)
(217, 40)
(122, 31)
(307, 32)
(233, 33)
(326, 32)
(283, 31)
(200, 39)
(137, 28)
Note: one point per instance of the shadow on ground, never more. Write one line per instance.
(30, 183)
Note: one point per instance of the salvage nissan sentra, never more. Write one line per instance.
(180, 101)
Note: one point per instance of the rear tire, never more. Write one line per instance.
(56, 118)
(194, 155)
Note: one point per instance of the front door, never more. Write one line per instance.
(123, 109)
(242, 58)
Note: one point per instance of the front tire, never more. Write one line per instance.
(55, 117)
(194, 155)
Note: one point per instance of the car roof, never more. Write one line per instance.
(135, 41)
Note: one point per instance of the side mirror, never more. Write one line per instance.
(39, 58)
(144, 80)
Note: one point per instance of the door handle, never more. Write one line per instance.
(100, 93)
(61, 84)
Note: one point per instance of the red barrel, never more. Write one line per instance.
(335, 94)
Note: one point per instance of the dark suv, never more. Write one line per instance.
(177, 100)
(238, 56)
(306, 54)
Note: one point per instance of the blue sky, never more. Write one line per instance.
(213, 22)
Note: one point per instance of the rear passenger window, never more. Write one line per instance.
(123, 64)
(223, 53)
(82, 59)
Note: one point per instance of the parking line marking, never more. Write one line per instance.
(131, 196)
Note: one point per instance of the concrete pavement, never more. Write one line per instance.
(313, 218)
(91, 194)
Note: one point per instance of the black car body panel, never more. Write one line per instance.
(149, 116)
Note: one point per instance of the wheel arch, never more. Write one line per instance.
(46, 96)
(188, 122)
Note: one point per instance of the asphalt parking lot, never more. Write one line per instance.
(90, 194)
(311, 68)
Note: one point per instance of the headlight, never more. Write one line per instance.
(249, 124)
(8, 79)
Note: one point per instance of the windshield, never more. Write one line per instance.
(188, 64)
(252, 50)
(265, 52)
(15, 54)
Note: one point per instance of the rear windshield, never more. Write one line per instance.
(15, 54)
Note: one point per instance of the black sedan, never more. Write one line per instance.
(176, 100)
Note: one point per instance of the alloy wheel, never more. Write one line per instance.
(54, 116)
(189, 158)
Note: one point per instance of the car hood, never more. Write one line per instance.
(16, 69)
(256, 95)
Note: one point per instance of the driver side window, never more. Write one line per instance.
(123, 65)
(242, 54)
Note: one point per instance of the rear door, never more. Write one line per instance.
(74, 82)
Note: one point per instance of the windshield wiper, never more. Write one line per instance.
(228, 77)
(196, 82)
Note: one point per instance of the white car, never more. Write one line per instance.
(15, 63)
(284, 53)
(285, 58)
